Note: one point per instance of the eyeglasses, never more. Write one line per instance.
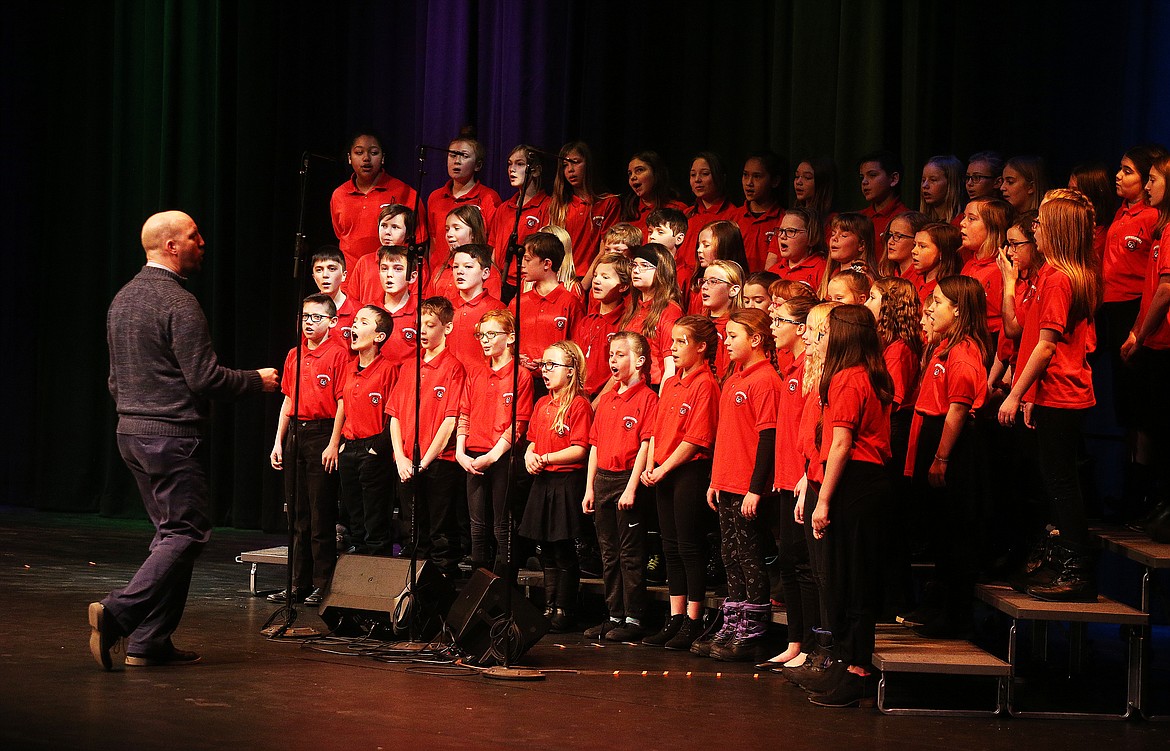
(1013, 244)
(644, 266)
(975, 177)
(789, 232)
(781, 319)
(567, 161)
(712, 280)
(487, 336)
(460, 155)
(314, 317)
(548, 365)
(891, 235)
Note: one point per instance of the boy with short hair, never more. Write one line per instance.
(438, 391)
(312, 500)
(365, 459)
(471, 267)
(881, 172)
(620, 238)
(668, 227)
(329, 274)
(396, 278)
(548, 310)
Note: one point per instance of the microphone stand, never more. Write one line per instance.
(505, 630)
(289, 610)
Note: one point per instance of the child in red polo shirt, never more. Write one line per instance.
(356, 203)
(854, 501)
(312, 500)
(800, 248)
(650, 189)
(669, 227)
(620, 238)
(899, 246)
(363, 280)
(848, 287)
(465, 159)
(578, 205)
(741, 474)
(653, 308)
(438, 390)
(851, 245)
(801, 597)
(1055, 385)
(814, 187)
(718, 241)
(942, 452)
(329, 276)
(556, 457)
(620, 443)
(721, 295)
(483, 445)
(525, 173)
(464, 227)
(708, 180)
(678, 467)
(984, 227)
(941, 188)
(611, 284)
(399, 303)
(471, 268)
(935, 256)
(366, 459)
(548, 311)
(881, 173)
(763, 172)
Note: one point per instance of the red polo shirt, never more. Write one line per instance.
(759, 234)
(644, 211)
(592, 333)
(362, 281)
(575, 431)
(443, 201)
(903, 367)
(960, 378)
(322, 375)
(586, 223)
(853, 404)
(698, 216)
(749, 404)
(547, 319)
(810, 270)
(881, 220)
(659, 339)
(365, 395)
(687, 411)
(1159, 266)
(486, 408)
(461, 341)
(403, 340)
(533, 216)
(623, 421)
(355, 214)
(1068, 381)
(925, 289)
(439, 393)
(345, 315)
(789, 462)
(807, 436)
(1007, 347)
(1127, 250)
(722, 360)
(989, 277)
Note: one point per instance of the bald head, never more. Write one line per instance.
(172, 239)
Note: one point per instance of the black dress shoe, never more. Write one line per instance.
(851, 690)
(103, 636)
(174, 658)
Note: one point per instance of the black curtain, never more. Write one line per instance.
(115, 110)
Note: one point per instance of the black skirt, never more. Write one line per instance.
(553, 511)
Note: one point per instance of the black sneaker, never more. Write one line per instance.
(314, 598)
(600, 630)
(627, 632)
(282, 596)
(851, 690)
(682, 641)
(669, 629)
(655, 570)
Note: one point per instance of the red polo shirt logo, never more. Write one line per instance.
(440, 392)
(629, 423)
(683, 409)
(345, 333)
(939, 370)
(1132, 242)
(375, 398)
(598, 220)
(531, 221)
(323, 380)
(561, 322)
(408, 334)
(508, 398)
(792, 384)
(740, 397)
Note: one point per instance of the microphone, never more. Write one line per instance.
(313, 155)
(426, 146)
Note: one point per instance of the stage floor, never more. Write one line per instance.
(252, 693)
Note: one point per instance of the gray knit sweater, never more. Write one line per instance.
(163, 371)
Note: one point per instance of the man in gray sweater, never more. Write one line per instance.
(163, 374)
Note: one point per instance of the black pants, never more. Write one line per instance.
(487, 499)
(856, 537)
(621, 536)
(559, 558)
(312, 503)
(1114, 321)
(685, 518)
(953, 513)
(432, 496)
(367, 490)
(1058, 439)
(818, 553)
(743, 557)
(801, 597)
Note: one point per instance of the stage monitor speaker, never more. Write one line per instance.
(367, 596)
(480, 606)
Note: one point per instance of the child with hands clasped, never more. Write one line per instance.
(620, 443)
(559, 430)
(652, 306)
(742, 472)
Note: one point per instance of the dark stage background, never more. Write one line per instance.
(114, 110)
